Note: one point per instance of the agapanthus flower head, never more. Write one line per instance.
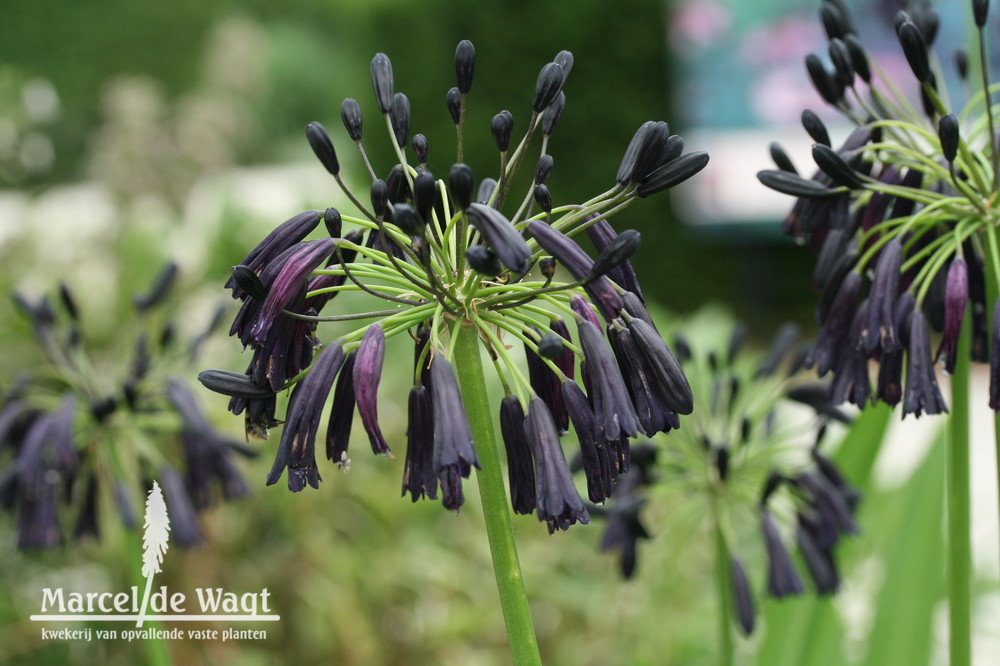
(901, 214)
(56, 425)
(454, 258)
(743, 456)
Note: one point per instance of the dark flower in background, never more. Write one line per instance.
(748, 465)
(62, 437)
(446, 257)
(900, 215)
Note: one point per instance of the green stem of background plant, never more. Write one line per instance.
(992, 293)
(506, 567)
(958, 501)
(722, 581)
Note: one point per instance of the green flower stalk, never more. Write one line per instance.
(467, 272)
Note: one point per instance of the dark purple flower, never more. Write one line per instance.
(600, 289)
(367, 375)
(284, 236)
(288, 283)
(206, 453)
(782, 578)
(832, 343)
(879, 329)
(819, 561)
(419, 478)
(557, 501)
(338, 432)
(955, 300)
(520, 465)
(650, 405)
(742, 598)
(545, 383)
(297, 448)
(595, 465)
(454, 451)
(500, 235)
(602, 234)
(184, 529)
(612, 407)
(921, 395)
(663, 366)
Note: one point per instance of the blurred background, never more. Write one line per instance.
(133, 133)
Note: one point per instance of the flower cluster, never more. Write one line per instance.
(448, 262)
(752, 464)
(71, 438)
(902, 215)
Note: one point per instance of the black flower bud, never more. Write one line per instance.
(781, 158)
(395, 183)
(482, 260)
(833, 21)
(543, 198)
(465, 65)
(380, 197)
(460, 184)
(980, 8)
(157, 292)
(553, 113)
(405, 217)
(915, 50)
(547, 265)
(334, 223)
(501, 127)
(382, 83)
(840, 56)
(565, 60)
(501, 236)
(835, 167)
(350, 113)
(551, 346)
(399, 116)
(420, 148)
(454, 101)
(948, 133)
(673, 173)
(617, 251)
(793, 184)
(859, 59)
(815, 127)
(962, 63)
(547, 87)
(249, 282)
(424, 193)
(323, 147)
(543, 168)
(823, 80)
(234, 384)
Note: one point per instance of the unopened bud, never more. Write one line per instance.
(501, 127)
(465, 65)
(382, 83)
(350, 113)
(323, 147)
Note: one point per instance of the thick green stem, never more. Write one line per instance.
(506, 568)
(992, 293)
(958, 500)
